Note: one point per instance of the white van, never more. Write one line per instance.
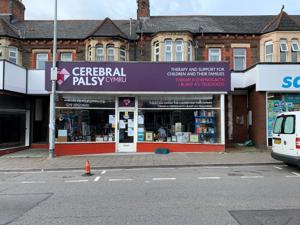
(286, 138)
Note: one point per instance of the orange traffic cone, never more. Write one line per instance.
(87, 169)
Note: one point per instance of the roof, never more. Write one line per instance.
(74, 29)
(109, 29)
(282, 22)
(83, 29)
(7, 29)
(211, 24)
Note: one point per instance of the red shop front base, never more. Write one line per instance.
(150, 147)
(62, 149)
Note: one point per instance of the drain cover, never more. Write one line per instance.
(267, 217)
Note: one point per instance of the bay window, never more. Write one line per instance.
(283, 51)
(99, 53)
(168, 50)
(269, 51)
(122, 54)
(179, 50)
(156, 52)
(12, 54)
(110, 53)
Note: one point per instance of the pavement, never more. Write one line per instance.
(37, 160)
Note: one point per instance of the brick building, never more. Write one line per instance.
(252, 46)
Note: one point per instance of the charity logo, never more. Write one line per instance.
(62, 76)
(126, 102)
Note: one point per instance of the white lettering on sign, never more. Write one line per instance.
(98, 71)
(96, 76)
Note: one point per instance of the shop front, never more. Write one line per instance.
(139, 107)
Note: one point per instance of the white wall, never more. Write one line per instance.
(15, 78)
(36, 82)
(1, 75)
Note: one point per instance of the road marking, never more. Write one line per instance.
(33, 182)
(277, 167)
(216, 167)
(209, 178)
(97, 179)
(166, 178)
(296, 174)
(251, 177)
(103, 172)
(120, 180)
(76, 181)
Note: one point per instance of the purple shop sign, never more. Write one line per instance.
(141, 77)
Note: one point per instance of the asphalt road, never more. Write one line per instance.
(246, 195)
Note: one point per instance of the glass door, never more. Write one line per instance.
(126, 131)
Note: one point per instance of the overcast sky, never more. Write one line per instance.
(124, 9)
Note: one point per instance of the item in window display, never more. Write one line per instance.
(130, 123)
(99, 138)
(149, 136)
(141, 119)
(174, 139)
(105, 138)
(178, 127)
(194, 138)
(112, 119)
(122, 124)
(169, 139)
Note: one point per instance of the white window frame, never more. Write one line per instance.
(156, 51)
(63, 57)
(295, 46)
(123, 54)
(283, 46)
(12, 50)
(190, 51)
(244, 56)
(179, 50)
(39, 60)
(110, 49)
(169, 50)
(283, 51)
(268, 56)
(214, 52)
(99, 57)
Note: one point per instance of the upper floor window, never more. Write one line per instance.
(283, 51)
(190, 51)
(122, 54)
(168, 50)
(214, 54)
(110, 53)
(99, 53)
(269, 51)
(239, 59)
(295, 50)
(179, 50)
(12, 54)
(156, 52)
(66, 56)
(41, 59)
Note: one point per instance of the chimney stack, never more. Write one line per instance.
(143, 10)
(13, 8)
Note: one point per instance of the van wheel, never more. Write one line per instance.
(289, 164)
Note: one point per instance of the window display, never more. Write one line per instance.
(278, 103)
(179, 119)
(85, 125)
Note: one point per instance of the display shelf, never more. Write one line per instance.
(205, 126)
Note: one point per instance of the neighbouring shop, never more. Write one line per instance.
(282, 94)
(14, 122)
(138, 107)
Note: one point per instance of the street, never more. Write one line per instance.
(246, 195)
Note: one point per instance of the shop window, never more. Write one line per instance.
(85, 119)
(122, 54)
(12, 54)
(110, 53)
(179, 50)
(41, 59)
(295, 50)
(190, 51)
(239, 59)
(283, 51)
(156, 52)
(66, 56)
(168, 50)
(12, 129)
(179, 119)
(269, 52)
(99, 53)
(214, 54)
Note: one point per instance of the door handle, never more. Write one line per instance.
(284, 142)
